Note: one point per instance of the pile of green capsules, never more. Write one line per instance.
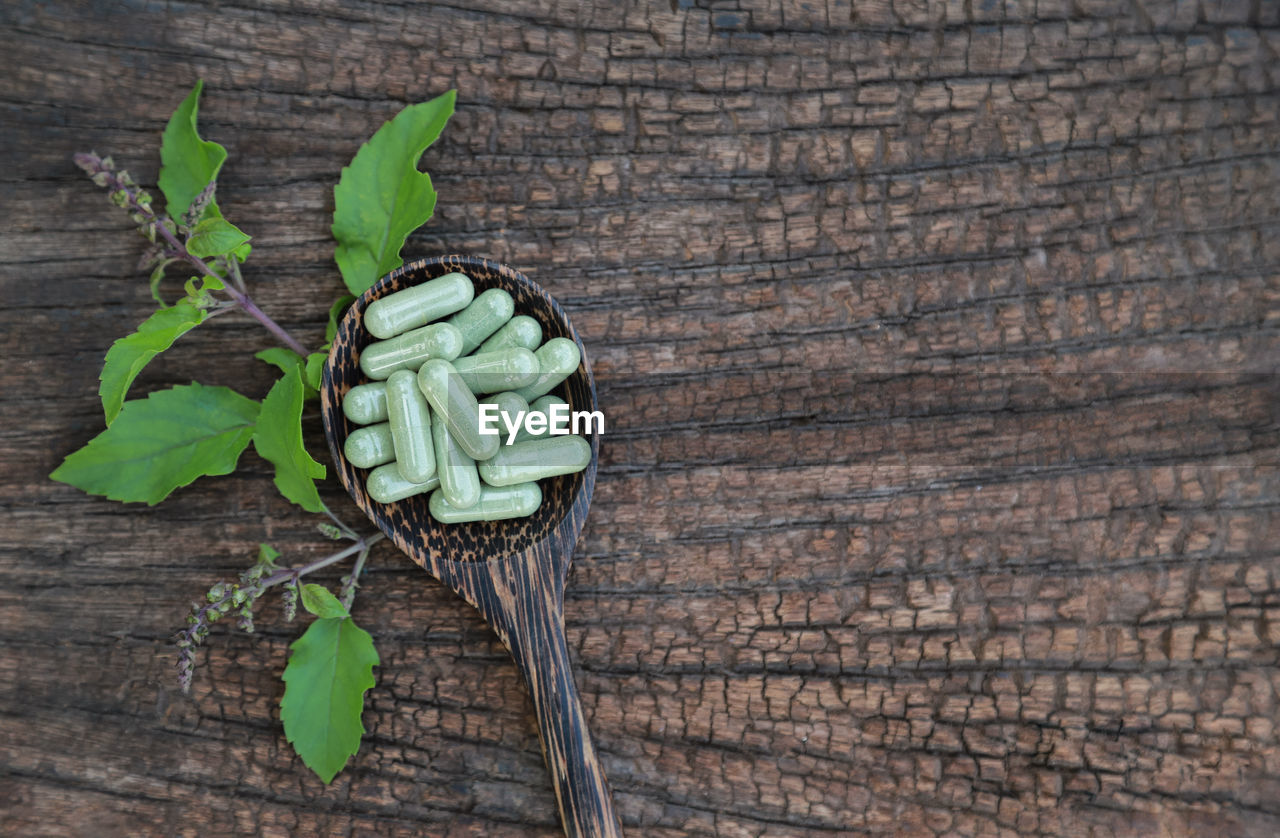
(421, 409)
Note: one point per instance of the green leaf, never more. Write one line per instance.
(314, 371)
(286, 359)
(128, 355)
(267, 554)
(326, 678)
(335, 312)
(198, 290)
(198, 286)
(162, 442)
(215, 237)
(278, 439)
(318, 600)
(157, 274)
(382, 197)
(187, 163)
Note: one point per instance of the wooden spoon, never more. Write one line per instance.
(512, 571)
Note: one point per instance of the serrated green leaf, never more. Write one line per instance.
(278, 439)
(382, 197)
(336, 311)
(187, 163)
(314, 370)
(328, 673)
(215, 237)
(318, 600)
(128, 355)
(242, 252)
(163, 442)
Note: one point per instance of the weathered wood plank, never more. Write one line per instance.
(938, 347)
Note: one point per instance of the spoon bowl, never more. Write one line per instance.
(512, 571)
(408, 523)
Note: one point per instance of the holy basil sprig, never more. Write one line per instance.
(155, 445)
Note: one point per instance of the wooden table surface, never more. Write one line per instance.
(937, 344)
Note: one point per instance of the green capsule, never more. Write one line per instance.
(521, 330)
(365, 404)
(449, 396)
(492, 372)
(410, 350)
(486, 314)
(507, 402)
(459, 480)
(536, 459)
(410, 422)
(419, 305)
(540, 405)
(557, 360)
(370, 446)
(387, 485)
(495, 504)
(509, 405)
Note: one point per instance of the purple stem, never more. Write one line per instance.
(240, 299)
(94, 165)
(190, 638)
(286, 573)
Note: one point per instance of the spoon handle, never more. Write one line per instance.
(527, 614)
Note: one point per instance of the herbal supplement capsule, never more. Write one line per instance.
(410, 350)
(449, 397)
(521, 330)
(495, 504)
(410, 422)
(543, 406)
(536, 459)
(491, 372)
(387, 485)
(365, 404)
(557, 359)
(370, 446)
(418, 306)
(486, 314)
(459, 480)
(509, 405)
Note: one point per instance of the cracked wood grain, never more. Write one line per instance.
(937, 344)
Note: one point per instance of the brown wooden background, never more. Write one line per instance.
(938, 346)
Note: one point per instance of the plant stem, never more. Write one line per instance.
(352, 581)
(343, 528)
(241, 299)
(284, 574)
(233, 270)
(201, 618)
(362, 545)
(98, 167)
